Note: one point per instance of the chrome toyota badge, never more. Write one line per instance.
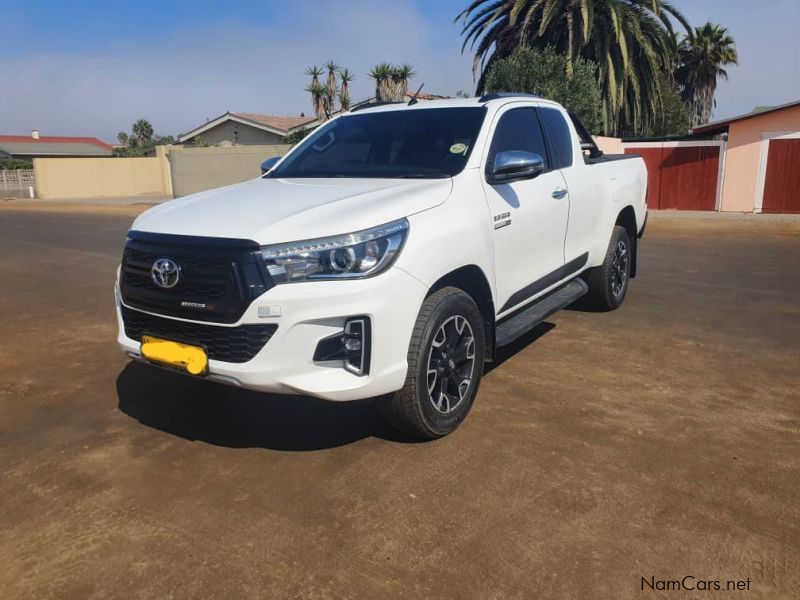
(165, 273)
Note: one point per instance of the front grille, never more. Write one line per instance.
(228, 344)
(219, 278)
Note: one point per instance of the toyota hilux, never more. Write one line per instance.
(387, 255)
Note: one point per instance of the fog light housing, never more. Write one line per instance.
(352, 346)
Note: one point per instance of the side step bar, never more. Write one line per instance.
(510, 328)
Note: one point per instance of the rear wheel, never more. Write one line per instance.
(608, 283)
(445, 365)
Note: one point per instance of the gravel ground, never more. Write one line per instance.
(660, 441)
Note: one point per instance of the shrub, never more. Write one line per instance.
(297, 136)
(544, 72)
(13, 164)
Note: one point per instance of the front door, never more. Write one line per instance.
(530, 216)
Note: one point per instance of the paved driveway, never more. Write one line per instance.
(658, 442)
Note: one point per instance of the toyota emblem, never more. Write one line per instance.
(165, 273)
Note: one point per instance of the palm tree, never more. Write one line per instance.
(314, 72)
(382, 74)
(331, 87)
(142, 132)
(400, 78)
(391, 82)
(631, 41)
(344, 101)
(703, 54)
(346, 77)
(318, 94)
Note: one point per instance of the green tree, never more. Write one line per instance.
(324, 95)
(541, 71)
(318, 92)
(391, 81)
(703, 54)
(331, 88)
(142, 132)
(631, 41)
(141, 139)
(346, 77)
(674, 118)
(382, 74)
(400, 78)
(314, 72)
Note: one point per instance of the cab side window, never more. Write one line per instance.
(559, 136)
(518, 129)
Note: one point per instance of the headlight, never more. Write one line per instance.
(348, 256)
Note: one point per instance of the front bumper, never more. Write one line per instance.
(307, 312)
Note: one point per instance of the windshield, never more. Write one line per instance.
(419, 143)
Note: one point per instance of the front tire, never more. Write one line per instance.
(608, 283)
(445, 365)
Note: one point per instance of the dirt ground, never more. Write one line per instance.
(661, 441)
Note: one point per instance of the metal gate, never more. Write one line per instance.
(684, 175)
(779, 174)
(18, 183)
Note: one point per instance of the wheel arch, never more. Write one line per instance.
(474, 282)
(627, 219)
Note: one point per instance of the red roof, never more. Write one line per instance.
(54, 139)
(281, 122)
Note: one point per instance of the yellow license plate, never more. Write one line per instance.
(192, 359)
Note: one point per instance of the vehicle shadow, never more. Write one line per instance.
(506, 352)
(584, 304)
(235, 418)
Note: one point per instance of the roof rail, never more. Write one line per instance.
(498, 95)
(373, 105)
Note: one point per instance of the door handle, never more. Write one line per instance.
(559, 193)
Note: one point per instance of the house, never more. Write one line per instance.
(748, 163)
(761, 171)
(35, 146)
(246, 129)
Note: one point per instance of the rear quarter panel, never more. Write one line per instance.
(598, 194)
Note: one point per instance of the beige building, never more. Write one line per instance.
(245, 129)
(761, 171)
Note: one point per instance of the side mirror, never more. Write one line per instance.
(269, 163)
(514, 165)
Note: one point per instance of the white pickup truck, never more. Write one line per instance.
(387, 255)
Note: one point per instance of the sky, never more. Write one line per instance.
(90, 67)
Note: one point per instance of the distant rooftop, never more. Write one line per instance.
(35, 145)
(277, 124)
(722, 125)
(283, 123)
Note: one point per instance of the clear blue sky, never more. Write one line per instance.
(89, 67)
